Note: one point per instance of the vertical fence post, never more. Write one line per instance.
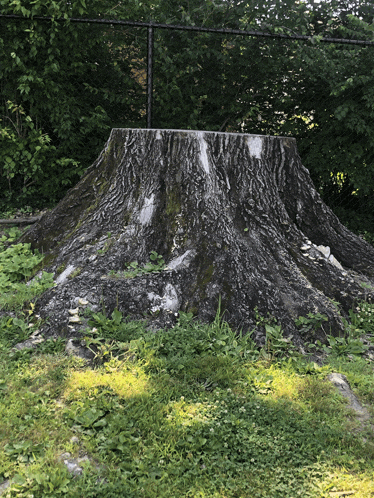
(149, 76)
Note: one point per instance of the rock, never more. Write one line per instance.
(29, 343)
(4, 485)
(341, 383)
(76, 347)
(75, 465)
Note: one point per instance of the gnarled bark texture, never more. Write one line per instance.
(235, 217)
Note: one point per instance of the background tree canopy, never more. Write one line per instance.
(64, 85)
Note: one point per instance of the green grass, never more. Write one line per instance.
(195, 411)
(176, 414)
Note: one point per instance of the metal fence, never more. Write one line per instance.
(188, 77)
(151, 27)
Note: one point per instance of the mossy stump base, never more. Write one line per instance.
(235, 217)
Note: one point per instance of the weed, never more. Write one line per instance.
(13, 330)
(15, 295)
(52, 346)
(276, 345)
(17, 264)
(40, 482)
(348, 345)
(9, 236)
(61, 268)
(75, 273)
(311, 323)
(116, 328)
(319, 395)
(362, 319)
(133, 269)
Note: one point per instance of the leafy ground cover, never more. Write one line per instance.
(194, 411)
(17, 263)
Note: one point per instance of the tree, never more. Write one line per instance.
(64, 82)
(233, 216)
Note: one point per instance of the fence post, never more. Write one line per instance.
(149, 76)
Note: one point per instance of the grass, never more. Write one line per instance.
(173, 414)
(195, 411)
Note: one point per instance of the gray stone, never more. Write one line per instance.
(4, 485)
(76, 347)
(29, 343)
(74, 465)
(341, 383)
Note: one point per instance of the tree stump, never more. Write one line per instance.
(235, 217)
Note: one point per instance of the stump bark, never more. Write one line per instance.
(235, 217)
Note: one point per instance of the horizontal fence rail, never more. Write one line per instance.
(199, 29)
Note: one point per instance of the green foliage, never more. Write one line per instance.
(116, 327)
(362, 318)
(51, 346)
(9, 236)
(133, 269)
(13, 330)
(339, 346)
(17, 263)
(52, 482)
(310, 323)
(195, 341)
(30, 160)
(56, 110)
(276, 345)
(24, 451)
(351, 342)
(15, 295)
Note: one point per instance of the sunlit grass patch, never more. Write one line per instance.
(285, 383)
(275, 380)
(340, 482)
(124, 382)
(187, 413)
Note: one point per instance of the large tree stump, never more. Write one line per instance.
(236, 217)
